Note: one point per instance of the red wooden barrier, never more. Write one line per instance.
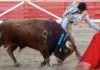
(57, 8)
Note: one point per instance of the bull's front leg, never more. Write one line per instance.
(10, 50)
(46, 56)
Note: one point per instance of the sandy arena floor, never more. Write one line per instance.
(30, 58)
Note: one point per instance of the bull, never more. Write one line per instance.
(40, 34)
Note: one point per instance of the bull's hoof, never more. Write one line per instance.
(17, 65)
(42, 64)
(59, 61)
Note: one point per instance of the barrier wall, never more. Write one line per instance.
(26, 10)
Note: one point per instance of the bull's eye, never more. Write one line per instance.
(66, 50)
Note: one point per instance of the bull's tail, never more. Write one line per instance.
(1, 22)
(1, 28)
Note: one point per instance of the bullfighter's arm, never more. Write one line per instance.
(85, 17)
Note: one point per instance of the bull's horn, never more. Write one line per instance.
(68, 45)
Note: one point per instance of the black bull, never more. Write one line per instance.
(39, 34)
